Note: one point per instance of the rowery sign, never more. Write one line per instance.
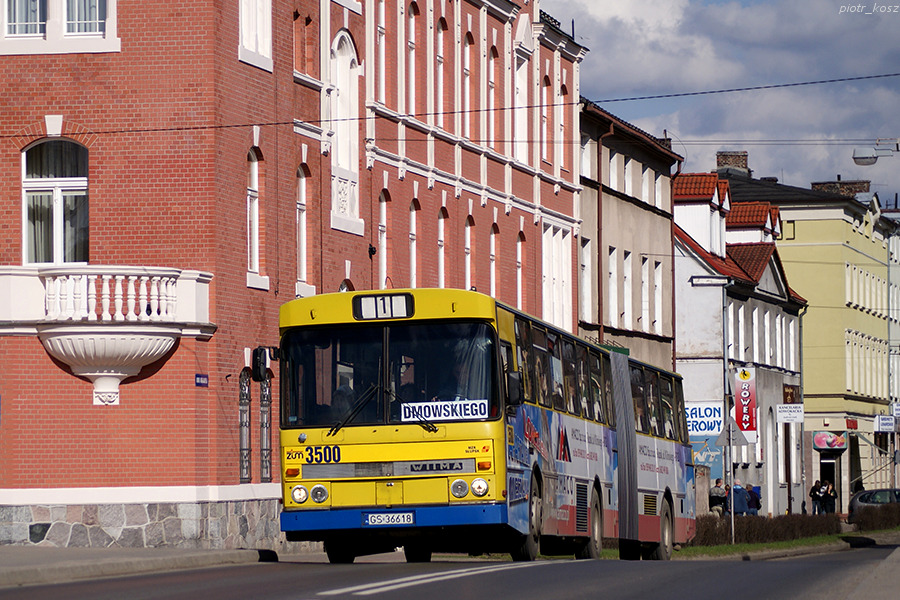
(745, 399)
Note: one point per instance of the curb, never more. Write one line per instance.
(76, 570)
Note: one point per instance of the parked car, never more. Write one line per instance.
(871, 498)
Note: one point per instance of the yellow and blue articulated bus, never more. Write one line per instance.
(443, 420)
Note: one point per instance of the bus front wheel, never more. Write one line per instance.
(594, 545)
(528, 550)
(339, 553)
(416, 553)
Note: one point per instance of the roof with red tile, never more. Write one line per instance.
(724, 266)
(749, 214)
(744, 262)
(695, 186)
(752, 258)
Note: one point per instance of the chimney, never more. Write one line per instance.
(843, 188)
(735, 160)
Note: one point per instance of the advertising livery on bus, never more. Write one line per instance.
(443, 420)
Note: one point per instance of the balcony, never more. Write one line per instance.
(105, 322)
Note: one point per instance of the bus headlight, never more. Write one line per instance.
(459, 488)
(299, 494)
(319, 493)
(479, 487)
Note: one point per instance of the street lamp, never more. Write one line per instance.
(865, 157)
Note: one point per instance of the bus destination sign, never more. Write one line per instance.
(383, 306)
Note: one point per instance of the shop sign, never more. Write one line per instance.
(745, 399)
(830, 441)
(789, 413)
(885, 424)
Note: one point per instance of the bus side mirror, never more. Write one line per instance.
(260, 362)
(514, 388)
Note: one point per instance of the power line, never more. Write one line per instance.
(751, 88)
(532, 107)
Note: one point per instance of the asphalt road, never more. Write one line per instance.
(870, 573)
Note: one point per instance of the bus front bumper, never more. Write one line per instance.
(374, 519)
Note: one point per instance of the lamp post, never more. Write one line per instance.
(865, 157)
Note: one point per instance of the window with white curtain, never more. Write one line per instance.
(55, 211)
(85, 16)
(256, 33)
(26, 17)
(58, 26)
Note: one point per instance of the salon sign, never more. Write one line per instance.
(745, 399)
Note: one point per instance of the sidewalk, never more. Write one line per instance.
(31, 565)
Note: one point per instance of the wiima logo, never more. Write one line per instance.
(436, 467)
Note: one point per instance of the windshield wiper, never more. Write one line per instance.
(354, 410)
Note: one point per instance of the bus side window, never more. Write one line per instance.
(680, 417)
(526, 358)
(651, 379)
(609, 399)
(641, 420)
(583, 375)
(570, 388)
(556, 371)
(667, 402)
(597, 390)
(542, 377)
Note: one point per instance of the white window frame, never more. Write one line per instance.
(627, 291)
(58, 188)
(520, 248)
(55, 37)
(613, 287)
(441, 249)
(492, 258)
(657, 298)
(439, 74)
(413, 250)
(255, 38)
(302, 287)
(344, 133)
(412, 14)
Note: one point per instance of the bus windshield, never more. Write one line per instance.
(419, 373)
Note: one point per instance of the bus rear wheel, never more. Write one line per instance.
(339, 553)
(594, 545)
(528, 549)
(663, 550)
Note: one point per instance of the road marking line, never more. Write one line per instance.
(396, 584)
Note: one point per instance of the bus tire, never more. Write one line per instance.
(594, 544)
(663, 550)
(530, 546)
(339, 553)
(416, 553)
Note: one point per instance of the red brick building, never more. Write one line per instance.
(174, 171)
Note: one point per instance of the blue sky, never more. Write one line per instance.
(655, 47)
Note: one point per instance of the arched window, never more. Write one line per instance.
(492, 95)
(411, 73)
(382, 240)
(467, 86)
(303, 288)
(441, 58)
(492, 257)
(520, 263)
(467, 237)
(253, 212)
(345, 138)
(441, 249)
(545, 117)
(56, 202)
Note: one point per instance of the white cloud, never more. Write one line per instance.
(651, 47)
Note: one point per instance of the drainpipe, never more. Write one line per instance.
(802, 403)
